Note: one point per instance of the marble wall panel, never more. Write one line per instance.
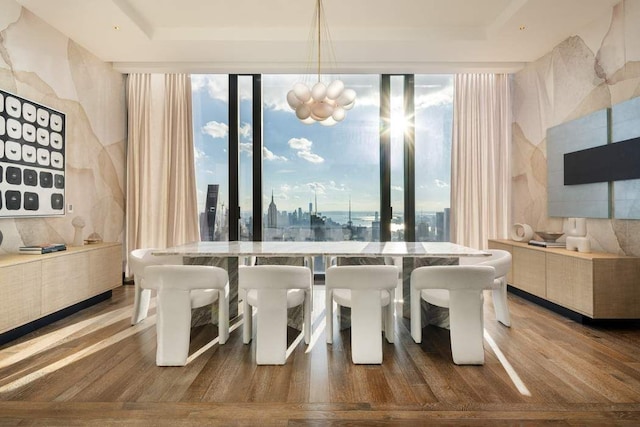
(39, 63)
(592, 70)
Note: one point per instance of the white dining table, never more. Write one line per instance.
(217, 252)
(305, 249)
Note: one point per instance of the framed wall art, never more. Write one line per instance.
(32, 158)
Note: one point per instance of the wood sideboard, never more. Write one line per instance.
(34, 286)
(596, 285)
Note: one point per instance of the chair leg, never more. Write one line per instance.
(500, 303)
(389, 330)
(306, 324)
(173, 327)
(223, 314)
(247, 325)
(141, 300)
(329, 315)
(467, 327)
(416, 315)
(366, 325)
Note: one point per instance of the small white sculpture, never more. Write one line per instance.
(521, 232)
(576, 235)
(78, 224)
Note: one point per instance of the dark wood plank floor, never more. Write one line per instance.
(94, 368)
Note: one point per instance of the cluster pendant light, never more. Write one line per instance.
(326, 104)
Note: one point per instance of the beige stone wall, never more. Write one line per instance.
(594, 69)
(39, 63)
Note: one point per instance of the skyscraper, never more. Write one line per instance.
(272, 214)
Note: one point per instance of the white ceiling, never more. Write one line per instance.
(261, 36)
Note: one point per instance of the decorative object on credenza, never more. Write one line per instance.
(78, 223)
(521, 232)
(93, 238)
(550, 236)
(43, 248)
(548, 239)
(577, 235)
(32, 158)
(1, 237)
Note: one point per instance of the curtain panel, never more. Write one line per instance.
(161, 202)
(481, 159)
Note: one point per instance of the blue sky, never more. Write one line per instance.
(301, 161)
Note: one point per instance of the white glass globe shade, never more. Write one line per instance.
(347, 97)
(334, 90)
(328, 122)
(321, 110)
(293, 100)
(319, 91)
(338, 114)
(349, 106)
(302, 92)
(303, 111)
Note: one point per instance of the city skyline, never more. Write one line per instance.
(300, 161)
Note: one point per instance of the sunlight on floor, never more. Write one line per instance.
(24, 350)
(316, 334)
(213, 342)
(515, 378)
(101, 345)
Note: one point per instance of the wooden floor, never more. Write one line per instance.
(94, 368)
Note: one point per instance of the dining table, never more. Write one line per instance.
(406, 255)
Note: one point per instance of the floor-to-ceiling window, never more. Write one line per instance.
(433, 102)
(210, 95)
(321, 182)
(325, 183)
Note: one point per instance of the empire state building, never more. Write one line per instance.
(272, 214)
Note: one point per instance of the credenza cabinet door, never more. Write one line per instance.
(105, 269)
(529, 271)
(20, 296)
(570, 282)
(64, 281)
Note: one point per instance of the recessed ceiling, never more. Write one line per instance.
(260, 36)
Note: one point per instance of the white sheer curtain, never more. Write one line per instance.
(161, 190)
(480, 159)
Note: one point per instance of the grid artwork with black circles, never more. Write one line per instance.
(32, 158)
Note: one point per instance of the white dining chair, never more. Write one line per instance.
(501, 261)
(458, 287)
(138, 260)
(181, 288)
(272, 289)
(366, 289)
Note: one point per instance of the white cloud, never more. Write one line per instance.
(432, 99)
(215, 129)
(245, 131)
(310, 157)
(397, 188)
(303, 146)
(268, 155)
(441, 184)
(300, 144)
(246, 147)
(217, 86)
(317, 187)
(198, 154)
